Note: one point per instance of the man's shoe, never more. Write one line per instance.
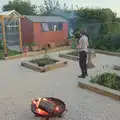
(86, 74)
(81, 76)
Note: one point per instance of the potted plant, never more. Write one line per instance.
(33, 46)
(25, 48)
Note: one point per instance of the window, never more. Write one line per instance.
(46, 27)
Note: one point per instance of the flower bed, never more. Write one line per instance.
(110, 80)
(44, 64)
(44, 61)
(71, 55)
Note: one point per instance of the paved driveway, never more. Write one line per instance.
(18, 85)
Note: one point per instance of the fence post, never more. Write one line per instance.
(20, 35)
(4, 38)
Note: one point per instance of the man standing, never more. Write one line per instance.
(83, 49)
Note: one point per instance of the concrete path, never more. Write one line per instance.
(18, 85)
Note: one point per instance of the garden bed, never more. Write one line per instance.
(107, 84)
(116, 67)
(44, 64)
(44, 61)
(71, 55)
(110, 80)
(29, 54)
(108, 52)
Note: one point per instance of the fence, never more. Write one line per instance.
(10, 35)
(12, 31)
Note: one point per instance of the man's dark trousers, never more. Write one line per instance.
(82, 62)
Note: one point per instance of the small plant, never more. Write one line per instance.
(25, 45)
(74, 43)
(31, 44)
(110, 80)
(46, 60)
(25, 48)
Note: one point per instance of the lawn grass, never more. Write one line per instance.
(10, 53)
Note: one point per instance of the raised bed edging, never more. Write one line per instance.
(116, 67)
(71, 57)
(24, 55)
(35, 67)
(108, 53)
(29, 54)
(99, 89)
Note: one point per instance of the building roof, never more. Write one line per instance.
(46, 19)
(9, 13)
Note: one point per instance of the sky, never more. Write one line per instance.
(113, 4)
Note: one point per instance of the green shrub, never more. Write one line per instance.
(110, 80)
(1, 45)
(31, 44)
(118, 50)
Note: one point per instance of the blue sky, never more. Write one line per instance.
(113, 4)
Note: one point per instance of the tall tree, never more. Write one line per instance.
(23, 7)
(101, 15)
(49, 6)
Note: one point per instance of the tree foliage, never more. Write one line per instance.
(48, 7)
(52, 7)
(101, 15)
(103, 26)
(23, 7)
